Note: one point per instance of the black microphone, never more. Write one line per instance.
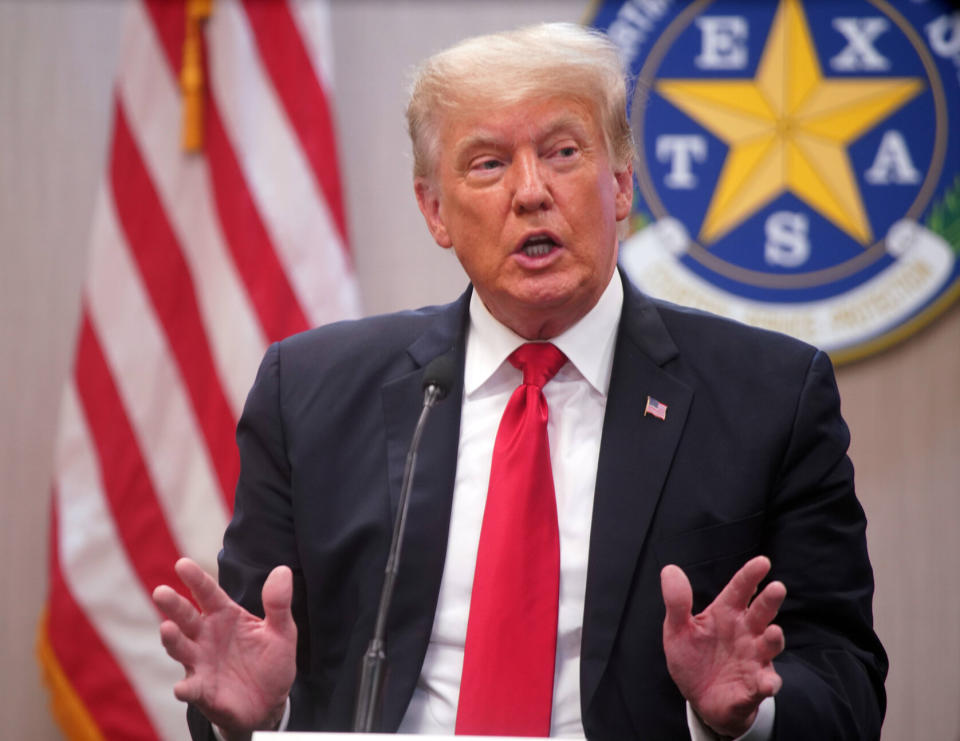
(439, 374)
(437, 379)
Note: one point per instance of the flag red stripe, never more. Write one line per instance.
(170, 23)
(172, 293)
(129, 491)
(266, 282)
(301, 93)
(92, 670)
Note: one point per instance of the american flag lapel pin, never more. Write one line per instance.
(657, 408)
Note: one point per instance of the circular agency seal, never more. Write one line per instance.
(799, 162)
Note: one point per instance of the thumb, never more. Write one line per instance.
(277, 595)
(677, 596)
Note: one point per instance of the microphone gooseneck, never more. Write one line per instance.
(438, 377)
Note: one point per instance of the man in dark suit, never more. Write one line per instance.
(701, 480)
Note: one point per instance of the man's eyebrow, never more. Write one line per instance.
(573, 124)
(479, 139)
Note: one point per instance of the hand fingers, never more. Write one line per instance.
(188, 689)
(204, 588)
(736, 595)
(765, 606)
(178, 609)
(276, 596)
(769, 683)
(771, 644)
(178, 646)
(677, 596)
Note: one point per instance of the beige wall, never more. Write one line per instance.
(903, 409)
(56, 63)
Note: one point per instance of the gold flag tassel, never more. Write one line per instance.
(191, 75)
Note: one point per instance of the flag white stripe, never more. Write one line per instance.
(151, 102)
(295, 213)
(153, 394)
(313, 22)
(95, 566)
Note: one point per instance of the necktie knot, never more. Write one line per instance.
(539, 362)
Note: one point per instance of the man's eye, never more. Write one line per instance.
(490, 164)
(567, 151)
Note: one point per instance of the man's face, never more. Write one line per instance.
(528, 198)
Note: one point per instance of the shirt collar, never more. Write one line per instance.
(588, 344)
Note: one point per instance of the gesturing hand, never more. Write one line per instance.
(721, 659)
(239, 668)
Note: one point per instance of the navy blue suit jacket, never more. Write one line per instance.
(750, 459)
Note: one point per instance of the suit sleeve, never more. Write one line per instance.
(833, 666)
(260, 535)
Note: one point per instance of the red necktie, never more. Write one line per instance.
(508, 664)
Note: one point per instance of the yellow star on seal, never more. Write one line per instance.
(788, 129)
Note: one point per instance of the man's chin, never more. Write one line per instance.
(543, 313)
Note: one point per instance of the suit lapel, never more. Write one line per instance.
(410, 620)
(636, 453)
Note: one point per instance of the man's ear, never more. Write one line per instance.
(624, 197)
(428, 199)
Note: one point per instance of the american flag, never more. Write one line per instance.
(197, 261)
(657, 408)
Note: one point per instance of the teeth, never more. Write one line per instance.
(537, 250)
(538, 246)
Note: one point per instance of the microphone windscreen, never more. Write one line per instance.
(440, 373)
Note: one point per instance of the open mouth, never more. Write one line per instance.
(538, 245)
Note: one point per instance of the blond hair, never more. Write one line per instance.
(535, 62)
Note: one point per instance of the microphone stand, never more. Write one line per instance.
(373, 666)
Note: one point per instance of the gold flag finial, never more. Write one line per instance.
(191, 75)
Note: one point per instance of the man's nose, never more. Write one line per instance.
(531, 189)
